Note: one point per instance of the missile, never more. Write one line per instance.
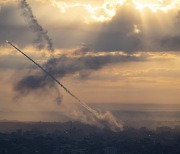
(46, 72)
(99, 117)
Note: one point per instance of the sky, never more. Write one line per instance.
(104, 51)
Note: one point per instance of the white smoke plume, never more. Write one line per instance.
(104, 120)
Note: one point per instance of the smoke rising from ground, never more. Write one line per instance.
(104, 120)
(42, 35)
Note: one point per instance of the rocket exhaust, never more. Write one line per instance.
(45, 71)
(107, 118)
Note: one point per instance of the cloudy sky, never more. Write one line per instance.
(104, 51)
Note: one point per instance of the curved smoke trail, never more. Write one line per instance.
(42, 35)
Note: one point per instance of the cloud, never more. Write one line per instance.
(119, 34)
(66, 65)
(107, 9)
(13, 27)
(126, 31)
(171, 41)
(11, 62)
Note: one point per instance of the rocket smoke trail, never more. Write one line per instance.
(36, 27)
(107, 119)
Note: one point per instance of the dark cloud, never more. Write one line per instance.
(12, 27)
(64, 65)
(118, 34)
(110, 36)
(114, 35)
(172, 42)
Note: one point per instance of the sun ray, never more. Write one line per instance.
(156, 5)
(108, 9)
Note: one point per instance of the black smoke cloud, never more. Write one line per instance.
(42, 35)
(65, 65)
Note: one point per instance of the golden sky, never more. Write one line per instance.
(106, 51)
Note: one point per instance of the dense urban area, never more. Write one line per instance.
(78, 138)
